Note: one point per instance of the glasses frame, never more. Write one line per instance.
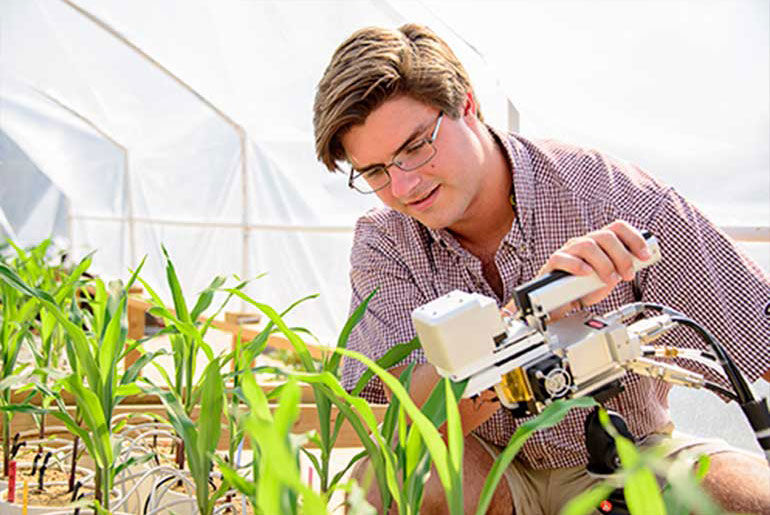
(428, 141)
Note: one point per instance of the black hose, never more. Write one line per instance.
(756, 411)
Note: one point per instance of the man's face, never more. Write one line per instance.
(443, 192)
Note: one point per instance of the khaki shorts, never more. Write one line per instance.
(546, 491)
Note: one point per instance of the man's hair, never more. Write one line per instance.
(375, 65)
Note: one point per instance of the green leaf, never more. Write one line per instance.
(642, 493)
(125, 390)
(13, 279)
(390, 359)
(212, 403)
(111, 346)
(248, 488)
(93, 416)
(299, 346)
(135, 274)
(586, 502)
(342, 340)
(206, 296)
(180, 306)
(429, 433)
(23, 408)
(288, 409)
(66, 287)
(455, 439)
(551, 416)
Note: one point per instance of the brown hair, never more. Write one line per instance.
(375, 65)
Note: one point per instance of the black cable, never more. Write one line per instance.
(744, 393)
(737, 381)
(756, 411)
(714, 387)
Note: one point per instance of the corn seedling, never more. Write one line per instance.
(186, 335)
(276, 485)
(200, 443)
(97, 386)
(20, 317)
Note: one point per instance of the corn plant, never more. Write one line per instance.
(186, 335)
(95, 348)
(643, 496)
(18, 316)
(324, 400)
(200, 443)
(276, 485)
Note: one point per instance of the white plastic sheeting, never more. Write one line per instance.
(187, 124)
(127, 125)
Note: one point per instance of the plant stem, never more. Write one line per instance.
(42, 426)
(99, 488)
(6, 442)
(73, 468)
(106, 489)
(180, 454)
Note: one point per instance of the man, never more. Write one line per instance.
(470, 208)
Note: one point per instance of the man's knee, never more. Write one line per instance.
(739, 482)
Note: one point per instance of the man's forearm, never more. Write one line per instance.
(473, 412)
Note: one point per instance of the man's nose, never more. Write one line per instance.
(402, 183)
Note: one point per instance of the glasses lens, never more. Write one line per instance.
(415, 156)
(371, 181)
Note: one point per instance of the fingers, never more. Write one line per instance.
(608, 252)
(510, 309)
(631, 238)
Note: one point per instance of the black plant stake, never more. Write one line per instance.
(75, 491)
(77, 510)
(15, 449)
(43, 468)
(34, 463)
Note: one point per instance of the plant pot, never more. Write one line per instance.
(135, 482)
(165, 496)
(162, 494)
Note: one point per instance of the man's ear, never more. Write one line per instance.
(469, 107)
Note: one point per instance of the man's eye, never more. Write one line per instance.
(415, 148)
(373, 173)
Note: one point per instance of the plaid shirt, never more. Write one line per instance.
(563, 192)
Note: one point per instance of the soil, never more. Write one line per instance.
(53, 495)
(27, 453)
(51, 476)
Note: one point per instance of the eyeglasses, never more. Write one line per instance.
(408, 159)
